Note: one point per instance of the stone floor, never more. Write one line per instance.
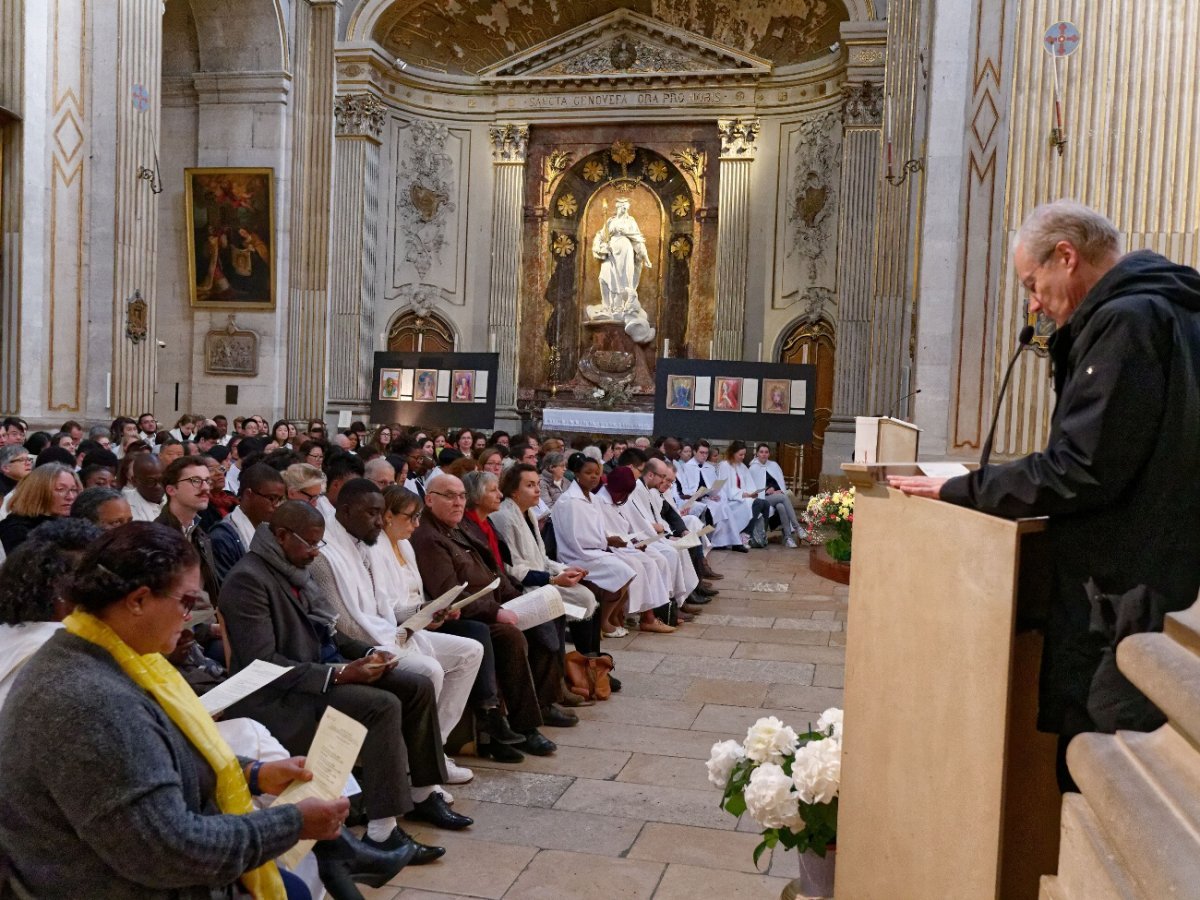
(624, 808)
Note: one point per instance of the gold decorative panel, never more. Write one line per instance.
(464, 37)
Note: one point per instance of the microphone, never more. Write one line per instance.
(895, 406)
(1023, 340)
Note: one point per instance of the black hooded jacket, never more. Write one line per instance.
(1117, 477)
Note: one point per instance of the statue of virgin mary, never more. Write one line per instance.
(622, 251)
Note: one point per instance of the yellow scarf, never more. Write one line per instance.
(155, 675)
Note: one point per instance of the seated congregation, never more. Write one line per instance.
(145, 567)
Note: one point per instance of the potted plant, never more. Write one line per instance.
(829, 518)
(789, 784)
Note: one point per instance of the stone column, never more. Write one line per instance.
(12, 99)
(359, 120)
(739, 141)
(135, 215)
(509, 142)
(861, 149)
(310, 199)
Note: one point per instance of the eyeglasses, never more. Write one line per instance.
(72, 491)
(188, 600)
(412, 517)
(312, 547)
(310, 499)
(274, 501)
(197, 482)
(459, 497)
(19, 459)
(319, 457)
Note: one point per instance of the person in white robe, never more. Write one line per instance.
(769, 482)
(737, 498)
(362, 581)
(641, 513)
(583, 541)
(698, 472)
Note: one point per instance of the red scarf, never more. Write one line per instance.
(490, 533)
(223, 502)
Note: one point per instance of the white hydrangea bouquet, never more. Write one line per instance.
(788, 782)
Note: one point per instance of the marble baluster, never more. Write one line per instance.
(310, 201)
(739, 142)
(509, 143)
(359, 120)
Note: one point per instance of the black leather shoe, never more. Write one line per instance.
(705, 589)
(613, 684)
(346, 859)
(422, 853)
(708, 573)
(537, 744)
(740, 548)
(434, 810)
(558, 718)
(690, 609)
(698, 599)
(505, 753)
(496, 725)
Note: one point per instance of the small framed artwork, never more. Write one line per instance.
(728, 394)
(776, 396)
(425, 386)
(463, 381)
(389, 384)
(681, 392)
(231, 228)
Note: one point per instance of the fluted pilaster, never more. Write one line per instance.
(12, 92)
(739, 142)
(311, 188)
(359, 120)
(509, 143)
(135, 213)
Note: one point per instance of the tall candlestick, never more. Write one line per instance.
(1057, 94)
(888, 135)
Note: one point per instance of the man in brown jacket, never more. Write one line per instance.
(447, 557)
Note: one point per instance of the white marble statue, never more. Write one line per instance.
(622, 249)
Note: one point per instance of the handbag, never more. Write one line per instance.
(587, 676)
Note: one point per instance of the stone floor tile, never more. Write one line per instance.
(384, 893)
(640, 711)
(663, 842)
(638, 739)
(733, 721)
(808, 653)
(838, 638)
(532, 826)
(585, 762)
(767, 636)
(678, 644)
(830, 676)
(682, 882)
(732, 693)
(668, 771)
(824, 614)
(682, 806)
(739, 621)
(641, 684)
(474, 867)
(755, 670)
(630, 661)
(512, 785)
(416, 894)
(795, 696)
(558, 875)
(809, 624)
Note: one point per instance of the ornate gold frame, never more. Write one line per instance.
(189, 176)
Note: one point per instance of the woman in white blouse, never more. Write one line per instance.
(737, 498)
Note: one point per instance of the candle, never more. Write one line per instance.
(1057, 94)
(760, 351)
(491, 342)
(456, 343)
(420, 341)
(710, 349)
(666, 347)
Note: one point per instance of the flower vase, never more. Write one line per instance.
(815, 881)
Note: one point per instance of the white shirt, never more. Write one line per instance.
(143, 510)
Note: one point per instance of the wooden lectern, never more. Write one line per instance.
(879, 439)
(948, 790)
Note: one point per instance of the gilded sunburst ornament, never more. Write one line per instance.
(657, 171)
(567, 205)
(563, 245)
(622, 153)
(593, 170)
(681, 248)
(681, 206)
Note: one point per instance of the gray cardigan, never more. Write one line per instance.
(101, 796)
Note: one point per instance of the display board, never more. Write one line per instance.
(746, 401)
(447, 390)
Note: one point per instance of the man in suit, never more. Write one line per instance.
(273, 611)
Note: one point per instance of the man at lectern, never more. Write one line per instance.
(1117, 478)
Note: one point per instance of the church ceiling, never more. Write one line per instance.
(465, 37)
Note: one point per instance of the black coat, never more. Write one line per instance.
(1117, 477)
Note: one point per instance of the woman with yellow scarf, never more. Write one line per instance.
(114, 782)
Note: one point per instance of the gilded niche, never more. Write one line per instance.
(464, 37)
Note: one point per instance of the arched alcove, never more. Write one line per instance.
(411, 330)
(810, 342)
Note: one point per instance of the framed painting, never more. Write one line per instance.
(425, 385)
(463, 381)
(681, 392)
(389, 384)
(728, 393)
(231, 247)
(776, 396)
